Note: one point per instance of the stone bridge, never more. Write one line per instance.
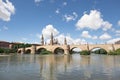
(67, 48)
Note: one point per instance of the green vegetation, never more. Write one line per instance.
(100, 51)
(116, 52)
(16, 46)
(84, 52)
(7, 51)
(45, 52)
(1, 50)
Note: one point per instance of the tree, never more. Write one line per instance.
(1, 50)
(84, 52)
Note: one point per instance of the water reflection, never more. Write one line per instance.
(58, 67)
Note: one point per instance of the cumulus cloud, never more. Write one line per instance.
(93, 21)
(86, 34)
(24, 39)
(48, 30)
(112, 41)
(6, 10)
(64, 3)
(117, 32)
(72, 17)
(38, 1)
(105, 36)
(5, 28)
(79, 41)
(106, 25)
(119, 23)
(70, 40)
(57, 11)
(94, 37)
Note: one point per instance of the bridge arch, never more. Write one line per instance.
(98, 50)
(28, 51)
(59, 50)
(75, 50)
(39, 50)
(19, 51)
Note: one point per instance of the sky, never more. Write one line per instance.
(79, 21)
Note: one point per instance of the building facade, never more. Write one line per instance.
(4, 44)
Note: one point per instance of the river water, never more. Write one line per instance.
(60, 67)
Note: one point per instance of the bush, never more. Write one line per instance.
(84, 52)
(7, 51)
(1, 50)
(45, 52)
(112, 53)
(100, 51)
(116, 52)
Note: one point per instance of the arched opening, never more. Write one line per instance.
(28, 51)
(19, 51)
(59, 51)
(75, 50)
(40, 50)
(98, 50)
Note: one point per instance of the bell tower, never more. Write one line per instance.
(51, 40)
(65, 41)
(42, 40)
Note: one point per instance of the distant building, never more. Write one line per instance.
(118, 42)
(4, 44)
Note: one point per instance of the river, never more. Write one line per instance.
(60, 67)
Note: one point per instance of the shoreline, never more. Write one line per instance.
(4, 55)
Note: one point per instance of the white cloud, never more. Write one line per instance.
(24, 39)
(57, 11)
(113, 40)
(6, 10)
(117, 32)
(119, 23)
(93, 21)
(38, 1)
(86, 34)
(72, 17)
(5, 28)
(38, 35)
(105, 36)
(70, 40)
(48, 30)
(94, 37)
(106, 25)
(79, 41)
(64, 3)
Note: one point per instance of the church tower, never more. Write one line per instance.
(65, 41)
(51, 40)
(42, 40)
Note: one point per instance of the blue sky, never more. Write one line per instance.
(80, 21)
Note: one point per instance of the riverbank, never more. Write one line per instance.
(4, 55)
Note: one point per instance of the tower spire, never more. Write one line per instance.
(51, 41)
(42, 40)
(65, 41)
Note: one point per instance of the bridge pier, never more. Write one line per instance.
(33, 49)
(22, 50)
(67, 50)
